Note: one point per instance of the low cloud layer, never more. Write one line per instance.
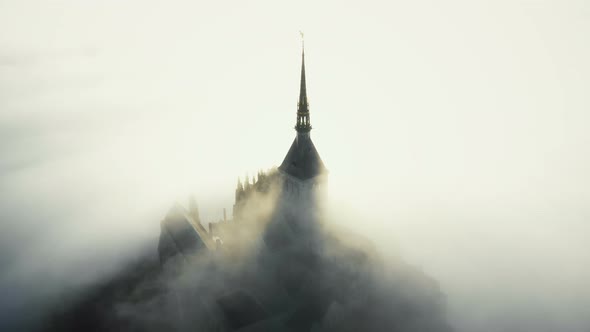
(288, 271)
(460, 145)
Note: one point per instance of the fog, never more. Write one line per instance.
(455, 135)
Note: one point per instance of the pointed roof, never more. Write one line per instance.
(303, 160)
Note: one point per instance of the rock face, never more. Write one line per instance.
(274, 267)
(280, 268)
(297, 276)
(286, 278)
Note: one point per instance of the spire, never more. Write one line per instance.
(303, 124)
(303, 162)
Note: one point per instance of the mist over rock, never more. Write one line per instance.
(280, 267)
(276, 265)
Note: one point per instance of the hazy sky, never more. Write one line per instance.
(457, 130)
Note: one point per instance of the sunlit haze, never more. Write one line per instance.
(455, 134)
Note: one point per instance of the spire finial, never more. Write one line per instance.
(302, 42)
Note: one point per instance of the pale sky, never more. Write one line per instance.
(457, 130)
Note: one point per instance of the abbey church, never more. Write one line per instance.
(300, 180)
(275, 264)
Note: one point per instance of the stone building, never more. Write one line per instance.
(272, 267)
(300, 181)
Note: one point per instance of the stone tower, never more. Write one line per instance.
(302, 171)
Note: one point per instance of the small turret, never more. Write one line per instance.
(239, 190)
(247, 184)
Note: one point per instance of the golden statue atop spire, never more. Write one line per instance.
(302, 41)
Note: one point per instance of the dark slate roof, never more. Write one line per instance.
(303, 160)
(180, 235)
